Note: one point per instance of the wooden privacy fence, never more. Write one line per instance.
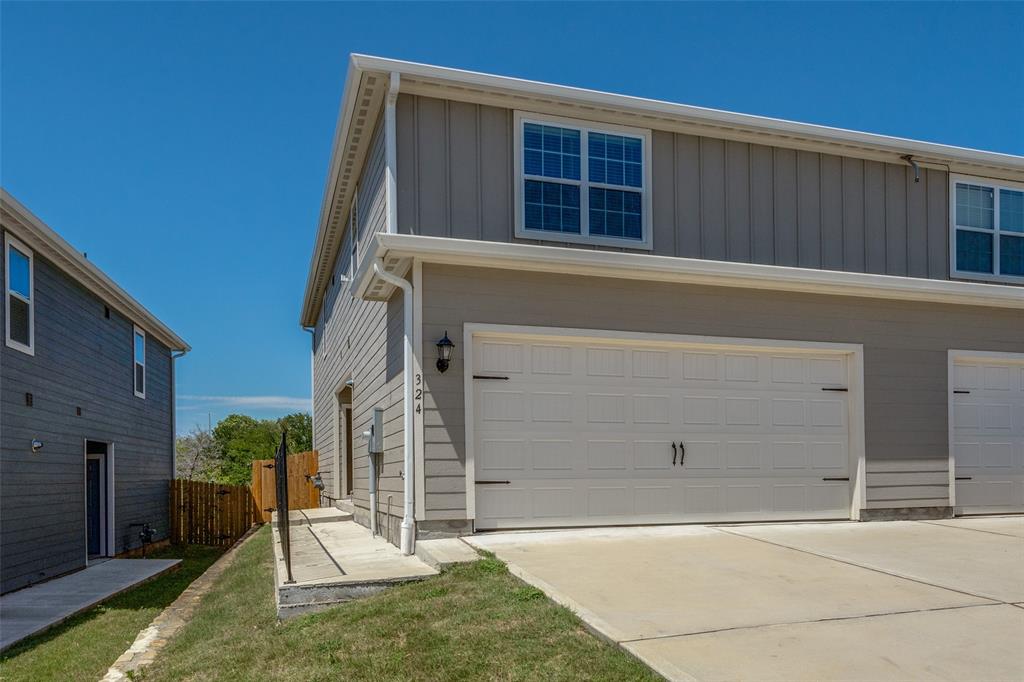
(302, 494)
(210, 513)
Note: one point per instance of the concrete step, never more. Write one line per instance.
(346, 505)
(446, 552)
(308, 517)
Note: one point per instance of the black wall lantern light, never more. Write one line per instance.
(444, 353)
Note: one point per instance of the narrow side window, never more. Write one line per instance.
(140, 362)
(20, 309)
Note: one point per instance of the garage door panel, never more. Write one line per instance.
(583, 433)
(988, 436)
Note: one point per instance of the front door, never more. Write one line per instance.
(93, 506)
(348, 451)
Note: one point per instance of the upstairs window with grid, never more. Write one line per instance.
(988, 230)
(581, 184)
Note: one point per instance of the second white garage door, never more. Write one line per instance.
(988, 434)
(587, 432)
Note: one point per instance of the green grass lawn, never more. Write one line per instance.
(473, 622)
(83, 647)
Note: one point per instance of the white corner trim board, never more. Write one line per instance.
(398, 250)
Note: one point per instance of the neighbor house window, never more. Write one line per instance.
(579, 182)
(988, 229)
(20, 314)
(140, 362)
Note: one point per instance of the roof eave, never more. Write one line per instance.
(42, 237)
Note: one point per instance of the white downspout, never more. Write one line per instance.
(408, 537)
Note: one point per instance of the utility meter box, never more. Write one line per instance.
(375, 436)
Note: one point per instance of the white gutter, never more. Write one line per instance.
(408, 538)
(562, 260)
(684, 112)
(391, 152)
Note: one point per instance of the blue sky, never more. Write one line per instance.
(185, 146)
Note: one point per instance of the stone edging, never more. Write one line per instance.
(150, 641)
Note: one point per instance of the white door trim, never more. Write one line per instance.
(855, 351)
(952, 356)
(107, 470)
(338, 479)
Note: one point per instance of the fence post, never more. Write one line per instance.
(283, 526)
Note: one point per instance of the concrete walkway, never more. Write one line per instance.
(334, 561)
(837, 601)
(42, 606)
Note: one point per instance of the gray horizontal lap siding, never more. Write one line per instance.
(905, 358)
(81, 360)
(362, 340)
(712, 198)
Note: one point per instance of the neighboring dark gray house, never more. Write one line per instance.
(86, 408)
(660, 313)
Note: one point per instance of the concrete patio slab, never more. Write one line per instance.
(34, 609)
(335, 561)
(636, 583)
(979, 563)
(1003, 525)
(972, 643)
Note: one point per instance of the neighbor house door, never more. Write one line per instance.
(98, 498)
(93, 506)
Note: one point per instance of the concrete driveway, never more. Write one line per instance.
(838, 601)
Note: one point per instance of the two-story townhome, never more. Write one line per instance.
(657, 313)
(86, 409)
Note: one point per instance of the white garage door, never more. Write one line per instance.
(569, 432)
(988, 436)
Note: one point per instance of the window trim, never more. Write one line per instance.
(136, 329)
(9, 242)
(996, 231)
(647, 223)
(353, 226)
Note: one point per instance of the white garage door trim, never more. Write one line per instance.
(854, 352)
(969, 356)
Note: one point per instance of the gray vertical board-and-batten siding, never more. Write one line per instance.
(362, 340)
(82, 359)
(712, 198)
(905, 358)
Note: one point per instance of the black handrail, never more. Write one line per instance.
(283, 527)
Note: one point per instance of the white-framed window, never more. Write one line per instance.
(19, 287)
(139, 366)
(582, 182)
(986, 239)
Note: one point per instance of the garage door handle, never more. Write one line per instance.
(836, 478)
(674, 453)
(841, 390)
(961, 392)
(682, 453)
(484, 376)
(965, 478)
(493, 482)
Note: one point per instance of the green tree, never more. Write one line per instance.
(242, 439)
(300, 431)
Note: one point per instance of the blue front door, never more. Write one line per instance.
(92, 505)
